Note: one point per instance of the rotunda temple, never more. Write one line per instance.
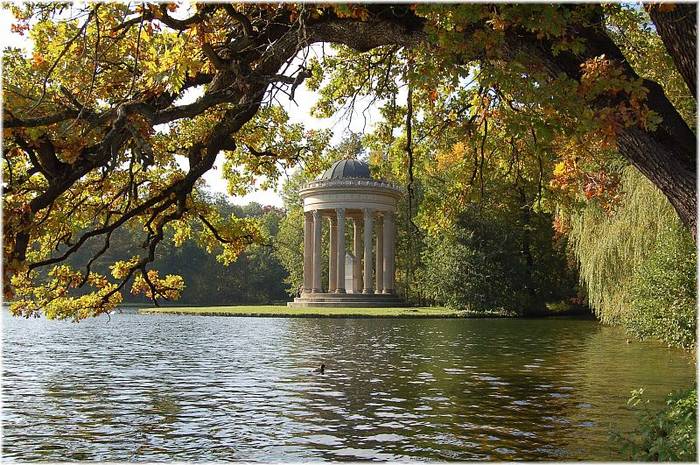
(346, 195)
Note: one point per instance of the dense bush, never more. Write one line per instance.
(461, 272)
(669, 434)
(663, 293)
(481, 265)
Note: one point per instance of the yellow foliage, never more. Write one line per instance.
(448, 159)
(153, 286)
(121, 268)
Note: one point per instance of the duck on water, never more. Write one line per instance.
(320, 369)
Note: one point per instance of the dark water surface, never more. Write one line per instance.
(155, 388)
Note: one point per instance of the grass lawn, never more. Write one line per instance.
(284, 311)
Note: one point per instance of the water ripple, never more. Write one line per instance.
(164, 388)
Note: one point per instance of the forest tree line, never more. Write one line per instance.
(255, 277)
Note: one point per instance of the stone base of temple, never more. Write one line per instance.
(346, 300)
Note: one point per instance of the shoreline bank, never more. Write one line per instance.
(287, 312)
(278, 311)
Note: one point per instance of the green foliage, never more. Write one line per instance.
(465, 271)
(289, 248)
(663, 292)
(256, 276)
(669, 434)
(637, 263)
(341, 89)
(480, 265)
(633, 31)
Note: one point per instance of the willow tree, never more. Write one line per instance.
(113, 95)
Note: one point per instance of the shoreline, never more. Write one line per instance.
(313, 312)
(278, 311)
(311, 315)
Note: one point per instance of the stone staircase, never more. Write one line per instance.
(346, 300)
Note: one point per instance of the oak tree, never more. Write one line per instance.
(117, 112)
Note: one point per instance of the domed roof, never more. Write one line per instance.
(343, 169)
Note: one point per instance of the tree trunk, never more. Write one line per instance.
(534, 306)
(665, 155)
(676, 25)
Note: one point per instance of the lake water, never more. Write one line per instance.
(157, 388)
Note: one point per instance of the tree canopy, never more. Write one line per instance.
(120, 109)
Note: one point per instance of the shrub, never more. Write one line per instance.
(480, 265)
(665, 435)
(664, 294)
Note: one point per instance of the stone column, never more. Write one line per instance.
(356, 250)
(332, 254)
(308, 251)
(379, 263)
(388, 253)
(367, 288)
(340, 287)
(316, 286)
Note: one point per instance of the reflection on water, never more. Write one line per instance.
(155, 388)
